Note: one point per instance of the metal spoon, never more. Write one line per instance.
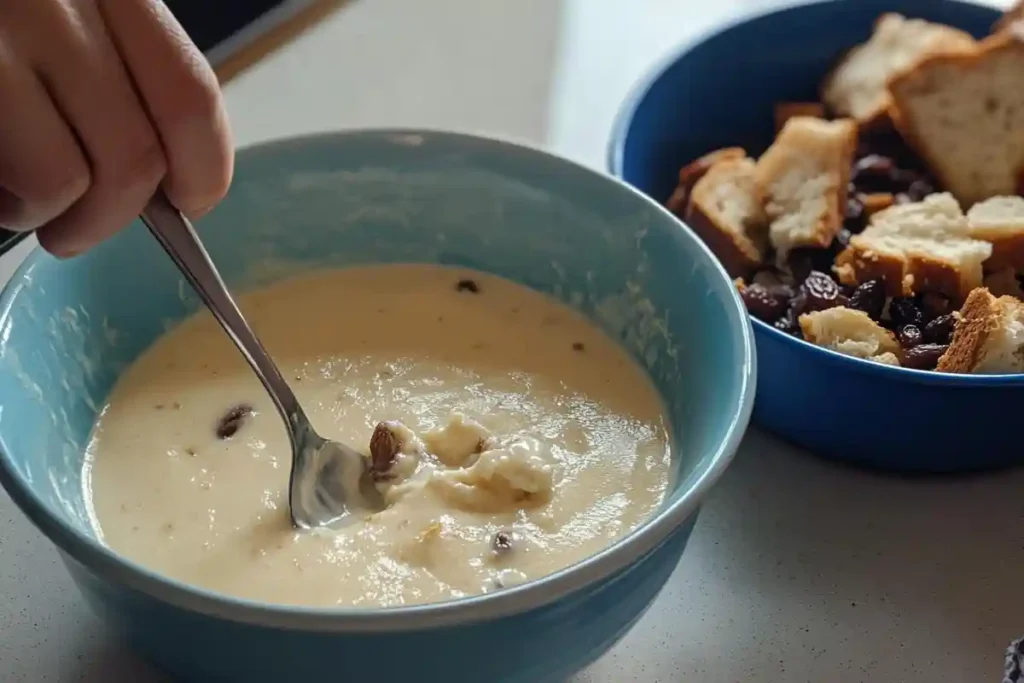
(327, 478)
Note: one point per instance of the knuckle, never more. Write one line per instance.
(145, 165)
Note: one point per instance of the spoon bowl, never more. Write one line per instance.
(328, 479)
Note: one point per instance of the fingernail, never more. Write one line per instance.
(12, 210)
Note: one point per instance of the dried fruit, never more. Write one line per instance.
(870, 298)
(788, 324)
(854, 220)
(820, 292)
(384, 448)
(467, 285)
(766, 304)
(940, 330)
(919, 189)
(910, 336)
(502, 542)
(904, 310)
(924, 356)
(934, 304)
(1013, 671)
(843, 237)
(233, 419)
(802, 262)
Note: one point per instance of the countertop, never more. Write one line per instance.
(799, 570)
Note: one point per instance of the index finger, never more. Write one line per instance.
(181, 93)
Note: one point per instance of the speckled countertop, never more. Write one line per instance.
(798, 570)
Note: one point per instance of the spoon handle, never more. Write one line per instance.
(176, 235)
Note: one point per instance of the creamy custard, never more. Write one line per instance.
(520, 440)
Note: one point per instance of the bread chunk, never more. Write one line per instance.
(858, 87)
(726, 210)
(1000, 222)
(917, 248)
(694, 171)
(1012, 16)
(964, 114)
(784, 111)
(852, 333)
(989, 337)
(803, 177)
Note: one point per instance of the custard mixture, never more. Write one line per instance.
(509, 436)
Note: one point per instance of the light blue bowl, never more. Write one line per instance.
(67, 330)
(720, 91)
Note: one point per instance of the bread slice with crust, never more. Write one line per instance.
(852, 333)
(917, 248)
(694, 171)
(964, 114)
(858, 86)
(1010, 17)
(1000, 222)
(726, 210)
(803, 177)
(989, 337)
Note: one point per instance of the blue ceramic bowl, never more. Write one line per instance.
(67, 330)
(720, 91)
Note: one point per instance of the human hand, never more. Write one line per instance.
(103, 101)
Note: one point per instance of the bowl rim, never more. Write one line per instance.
(615, 158)
(97, 558)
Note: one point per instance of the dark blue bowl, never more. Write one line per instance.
(720, 91)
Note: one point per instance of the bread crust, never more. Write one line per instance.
(784, 111)
(786, 152)
(1009, 18)
(694, 171)
(945, 39)
(978, 319)
(739, 251)
(903, 84)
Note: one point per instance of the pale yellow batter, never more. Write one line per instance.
(525, 440)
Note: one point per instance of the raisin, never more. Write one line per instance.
(870, 298)
(820, 292)
(855, 218)
(910, 336)
(924, 356)
(502, 543)
(467, 286)
(788, 324)
(766, 304)
(384, 448)
(940, 330)
(873, 167)
(233, 419)
(843, 237)
(934, 305)
(903, 310)
(802, 262)
(919, 189)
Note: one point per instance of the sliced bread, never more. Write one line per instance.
(852, 333)
(857, 87)
(917, 248)
(727, 211)
(989, 337)
(1010, 17)
(964, 114)
(803, 177)
(1000, 221)
(694, 171)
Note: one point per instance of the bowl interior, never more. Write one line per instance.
(721, 91)
(68, 329)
